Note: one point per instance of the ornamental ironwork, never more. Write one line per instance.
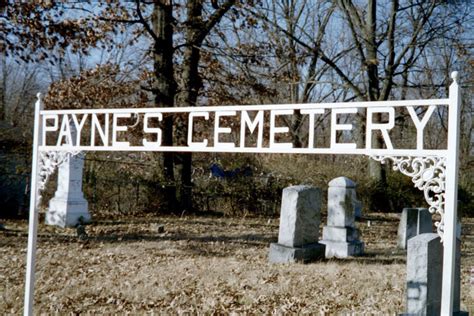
(428, 175)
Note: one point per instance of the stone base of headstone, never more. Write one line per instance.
(304, 254)
(342, 242)
(340, 234)
(338, 249)
(67, 213)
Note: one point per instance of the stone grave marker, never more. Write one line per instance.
(413, 221)
(340, 235)
(299, 226)
(68, 207)
(424, 275)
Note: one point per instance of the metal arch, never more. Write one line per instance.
(432, 171)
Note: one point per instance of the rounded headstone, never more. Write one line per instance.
(342, 182)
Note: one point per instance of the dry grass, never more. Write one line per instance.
(204, 265)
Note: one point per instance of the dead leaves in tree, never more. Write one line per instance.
(101, 87)
(45, 30)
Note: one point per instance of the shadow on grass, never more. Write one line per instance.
(247, 240)
(215, 245)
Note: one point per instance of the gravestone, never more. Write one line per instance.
(413, 221)
(340, 235)
(68, 207)
(424, 275)
(299, 226)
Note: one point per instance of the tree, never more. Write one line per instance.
(383, 47)
(261, 53)
(195, 28)
(50, 29)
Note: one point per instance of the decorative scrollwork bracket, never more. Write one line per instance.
(429, 175)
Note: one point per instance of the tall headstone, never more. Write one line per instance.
(68, 207)
(340, 235)
(299, 226)
(413, 221)
(424, 275)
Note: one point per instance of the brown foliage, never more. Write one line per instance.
(102, 87)
(44, 27)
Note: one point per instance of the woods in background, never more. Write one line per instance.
(185, 53)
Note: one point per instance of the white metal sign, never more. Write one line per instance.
(58, 134)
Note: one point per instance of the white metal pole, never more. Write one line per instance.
(33, 218)
(451, 197)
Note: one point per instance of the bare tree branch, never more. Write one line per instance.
(144, 22)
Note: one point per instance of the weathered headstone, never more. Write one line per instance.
(68, 207)
(413, 221)
(424, 275)
(299, 226)
(340, 236)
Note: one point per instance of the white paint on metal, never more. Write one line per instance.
(451, 198)
(101, 138)
(119, 128)
(201, 147)
(312, 113)
(33, 216)
(420, 125)
(195, 146)
(434, 171)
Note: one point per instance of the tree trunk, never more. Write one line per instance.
(164, 91)
(188, 97)
(196, 31)
(376, 170)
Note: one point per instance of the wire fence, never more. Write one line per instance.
(131, 184)
(129, 192)
(128, 185)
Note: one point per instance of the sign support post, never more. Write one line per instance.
(451, 198)
(33, 216)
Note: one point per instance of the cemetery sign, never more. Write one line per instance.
(58, 134)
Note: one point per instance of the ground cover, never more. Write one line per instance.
(204, 265)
